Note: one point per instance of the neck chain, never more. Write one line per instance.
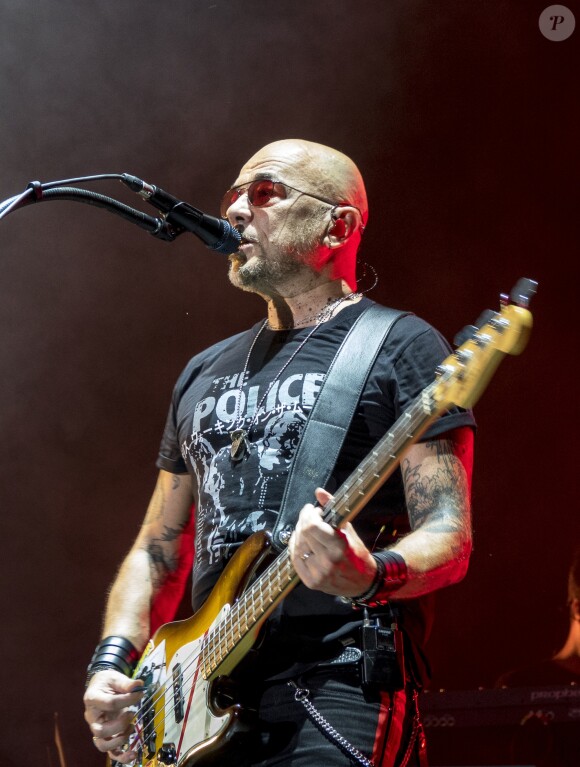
(321, 316)
(240, 437)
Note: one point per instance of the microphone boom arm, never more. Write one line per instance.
(176, 216)
(158, 227)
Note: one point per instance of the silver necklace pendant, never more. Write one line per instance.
(240, 445)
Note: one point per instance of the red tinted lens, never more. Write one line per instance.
(260, 193)
(228, 199)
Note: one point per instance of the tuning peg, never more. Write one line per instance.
(523, 292)
(484, 318)
(465, 335)
(469, 331)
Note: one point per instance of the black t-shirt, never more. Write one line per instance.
(284, 375)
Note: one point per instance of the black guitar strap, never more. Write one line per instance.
(326, 427)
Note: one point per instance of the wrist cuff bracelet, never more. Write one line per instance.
(113, 652)
(391, 574)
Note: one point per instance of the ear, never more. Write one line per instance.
(575, 609)
(344, 223)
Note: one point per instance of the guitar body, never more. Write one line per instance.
(188, 717)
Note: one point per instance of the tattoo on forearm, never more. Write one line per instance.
(160, 543)
(172, 533)
(162, 562)
(163, 553)
(437, 499)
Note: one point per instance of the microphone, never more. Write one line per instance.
(216, 233)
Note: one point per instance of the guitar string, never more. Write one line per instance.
(359, 476)
(217, 640)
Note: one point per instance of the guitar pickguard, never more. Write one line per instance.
(175, 723)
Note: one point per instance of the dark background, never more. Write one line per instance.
(463, 120)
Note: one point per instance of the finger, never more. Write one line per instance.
(121, 725)
(116, 741)
(101, 701)
(110, 744)
(112, 681)
(123, 757)
(135, 685)
(124, 685)
(129, 698)
(323, 496)
(313, 534)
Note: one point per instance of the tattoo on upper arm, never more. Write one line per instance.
(437, 497)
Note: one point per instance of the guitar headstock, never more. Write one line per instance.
(463, 376)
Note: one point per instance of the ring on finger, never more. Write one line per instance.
(305, 556)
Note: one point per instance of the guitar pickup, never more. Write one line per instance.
(178, 693)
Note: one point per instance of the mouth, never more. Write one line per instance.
(240, 257)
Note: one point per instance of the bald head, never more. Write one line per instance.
(326, 171)
(318, 224)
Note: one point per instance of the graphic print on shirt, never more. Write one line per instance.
(235, 500)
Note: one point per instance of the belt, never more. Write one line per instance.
(347, 657)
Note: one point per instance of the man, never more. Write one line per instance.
(237, 413)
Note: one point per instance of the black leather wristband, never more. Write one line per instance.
(113, 652)
(391, 574)
(375, 585)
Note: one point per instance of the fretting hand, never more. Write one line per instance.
(333, 561)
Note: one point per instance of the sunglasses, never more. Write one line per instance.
(266, 192)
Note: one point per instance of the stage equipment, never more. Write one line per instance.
(176, 216)
(516, 726)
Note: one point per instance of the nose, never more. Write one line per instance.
(239, 211)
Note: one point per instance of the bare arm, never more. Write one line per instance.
(437, 480)
(153, 559)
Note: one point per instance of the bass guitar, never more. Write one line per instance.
(187, 717)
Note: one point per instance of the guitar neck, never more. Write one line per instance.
(380, 463)
(260, 599)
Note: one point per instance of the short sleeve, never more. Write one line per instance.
(169, 458)
(415, 369)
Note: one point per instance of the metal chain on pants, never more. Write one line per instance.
(301, 696)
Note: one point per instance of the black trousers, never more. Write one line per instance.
(383, 727)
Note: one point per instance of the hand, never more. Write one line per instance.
(333, 561)
(107, 699)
